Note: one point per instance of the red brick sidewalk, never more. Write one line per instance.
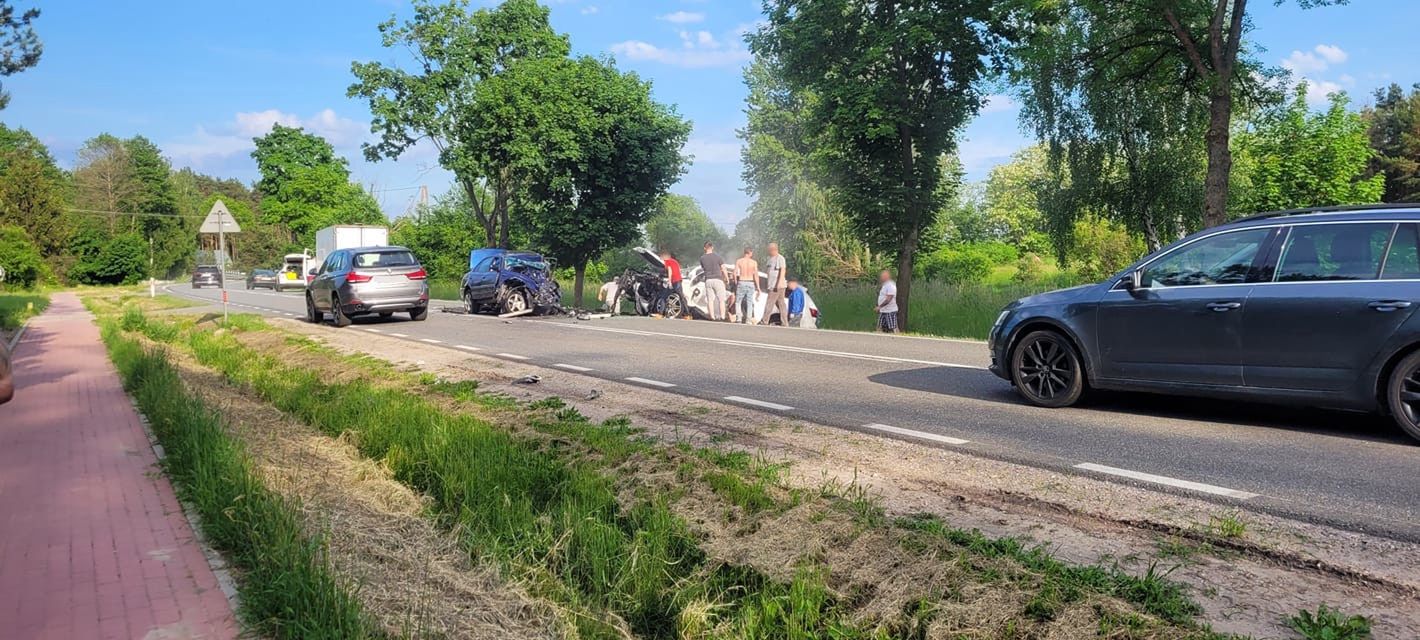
(93, 543)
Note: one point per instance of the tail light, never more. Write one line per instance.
(355, 277)
(417, 275)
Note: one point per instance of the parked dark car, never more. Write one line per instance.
(206, 276)
(509, 282)
(257, 278)
(1312, 307)
(368, 280)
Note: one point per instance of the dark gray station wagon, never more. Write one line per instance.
(1311, 307)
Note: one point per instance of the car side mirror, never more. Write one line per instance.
(1134, 282)
(312, 272)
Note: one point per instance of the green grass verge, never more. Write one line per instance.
(15, 308)
(938, 309)
(286, 587)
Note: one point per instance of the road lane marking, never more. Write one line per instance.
(760, 403)
(399, 335)
(466, 347)
(431, 341)
(572, 367)
(1165, 480)
(915, 434)
(773, 347)
(513, 356)
(654, 383)
(372, 330)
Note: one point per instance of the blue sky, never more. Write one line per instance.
(202, 78)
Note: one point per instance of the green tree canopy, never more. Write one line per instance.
(455, 50)
(441, 234)
(284, 151)
(1293, 158)
(1394, 125)
(20, 47)
(892, 83)
(306, 187)
(20, 257)
(33, 191)
(682, 228)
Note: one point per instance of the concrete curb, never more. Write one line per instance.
(15, 339)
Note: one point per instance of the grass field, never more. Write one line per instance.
(939, 309)
(15, 308)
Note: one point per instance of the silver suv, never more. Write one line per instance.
(368, 280)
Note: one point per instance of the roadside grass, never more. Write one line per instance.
(1228, 524)
(938, 309)
(286, 587)
(15, 308)
(1330, 624)
(561, 509)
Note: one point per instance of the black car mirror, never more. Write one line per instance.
(1133, 282)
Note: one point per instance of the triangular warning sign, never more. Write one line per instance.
(219, 219)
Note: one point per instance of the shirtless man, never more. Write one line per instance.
(747, 272)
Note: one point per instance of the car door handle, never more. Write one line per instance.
(1388, 305)
(1224, 306)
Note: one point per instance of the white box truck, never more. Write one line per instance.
(348, 236)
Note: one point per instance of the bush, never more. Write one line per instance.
(1029, 269)
(1099, 248)
(998, 252)
(24, 267)
(122, 259)
(958, 264)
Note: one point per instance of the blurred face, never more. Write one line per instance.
(884, 277)
(773, 249)
(793, 284)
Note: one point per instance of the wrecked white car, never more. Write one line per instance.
(651, 293)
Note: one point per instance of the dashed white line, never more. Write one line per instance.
(1165, 480)
(760, 403)
(572, 367)
(654, 383)
(466, 347)
(915, 434)
(513, 356)
(431, 341)
(372, 330)
(399, 335)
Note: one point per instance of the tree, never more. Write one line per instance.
(154, 203)
(679, 226)
(103, 179)
(455, 51)
(593, 151)
(441, 234)
(1010, 198)
(305, 186)
(893, 82)
(24, 267)
(32, 191)
(108, 259)
(1394, 127)
(1295, 158)
(20, 47)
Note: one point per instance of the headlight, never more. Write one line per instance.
(1001, 318)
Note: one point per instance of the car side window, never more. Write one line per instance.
(1325, 252)
(1402, 261)
(483, 264)
(1222, 259)
(329, 264)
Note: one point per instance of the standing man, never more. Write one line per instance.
(775, 267)
(747, 289)
(887, 303)
(795, 294)
(713, 266)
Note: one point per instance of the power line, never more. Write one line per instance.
(136, 213)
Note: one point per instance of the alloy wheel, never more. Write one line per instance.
(517, 301)
(1046, 370)
(1403, 393)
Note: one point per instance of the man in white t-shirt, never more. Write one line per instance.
(887, 303)
(610, 294)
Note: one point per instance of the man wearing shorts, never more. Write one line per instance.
(747, 289)
(887, 304)
(713, 266)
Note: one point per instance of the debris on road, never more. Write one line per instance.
(592, 395)
(514, 314)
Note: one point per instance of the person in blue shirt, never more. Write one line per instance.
(796, 303)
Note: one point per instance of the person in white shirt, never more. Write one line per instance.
(887, 303)
(610, 294)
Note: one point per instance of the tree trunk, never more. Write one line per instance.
(1220, 157)
(906, 256)
(581, 273)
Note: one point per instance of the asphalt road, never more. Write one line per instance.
(1351, 470)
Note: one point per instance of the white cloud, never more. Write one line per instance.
(1318, 90)
(683, 17)
(590, 9)
(1331, 53)
(710, 151)
(999, 103)
(698, 49)
(1320, 58)
(208, 144)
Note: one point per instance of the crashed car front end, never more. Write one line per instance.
(536, 277)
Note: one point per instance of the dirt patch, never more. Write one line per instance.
(413, 577)
(1246, 584)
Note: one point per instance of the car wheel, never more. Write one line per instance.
(468, 306)
(516, 300)
(419, 314)
(313, 315)
(341, 320)
(1046, 370)
(672, 306)
(1403, 394)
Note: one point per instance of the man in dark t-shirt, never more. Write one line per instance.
(713, 266)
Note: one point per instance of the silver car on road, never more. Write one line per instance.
(368, 280)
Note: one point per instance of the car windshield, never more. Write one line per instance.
(519, 262)
(384, 259)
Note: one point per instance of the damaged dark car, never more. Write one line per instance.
(509, 283)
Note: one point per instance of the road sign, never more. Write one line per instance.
(219, 220)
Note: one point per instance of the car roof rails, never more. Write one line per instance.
(1339, 208)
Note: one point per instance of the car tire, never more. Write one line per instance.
(515, 300)
(313, 315)
(419, 314)
(1403, 394)
(1046, 370)
(468, 306)
(672, 306)
(338, 314)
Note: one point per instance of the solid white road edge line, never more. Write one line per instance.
(1165, 480)
(915, 434)
(760, 403)
(513, 356)
(572, 367)
(372, 330)
(431, 341)
(773, 347)
(466, 347)
(654, 383)
(399, 335)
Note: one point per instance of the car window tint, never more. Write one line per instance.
(484, 264)
(1222, 259)
(1403, 260)
(385, 259)
(1322, 252)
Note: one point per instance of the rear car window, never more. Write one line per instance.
(385, 259)
(1322, 252)
(1402, 261)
